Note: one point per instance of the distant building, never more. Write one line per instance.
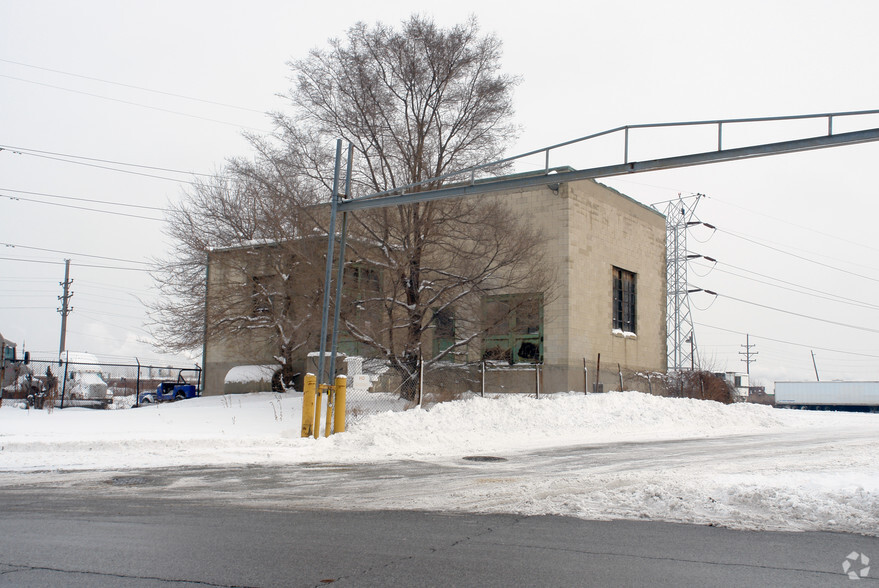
(738, 382)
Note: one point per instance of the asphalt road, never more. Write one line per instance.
(190, 527)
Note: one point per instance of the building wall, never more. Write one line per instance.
(609, 229)
(591, 228)
(253, 347)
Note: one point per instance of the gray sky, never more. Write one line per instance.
(806, 219)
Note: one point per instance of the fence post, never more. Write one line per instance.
(137, 386)
(64, 383)
(537, 378)
(483, 378)
(598, 373)
(331, 406)
(420, 379)
(585, 378)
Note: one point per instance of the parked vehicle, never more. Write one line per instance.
(16, 376)
(852, 396)
(85, 385)
(168, 391)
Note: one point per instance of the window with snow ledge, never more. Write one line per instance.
(623, 302)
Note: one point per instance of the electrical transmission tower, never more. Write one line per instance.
(682, 353)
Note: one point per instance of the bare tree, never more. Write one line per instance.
(441, 261)
(258, 237)
(417, 103)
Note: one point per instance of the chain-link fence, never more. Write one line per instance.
(61, 384)
(376, 386)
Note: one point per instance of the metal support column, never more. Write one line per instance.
(328, 276)
(340, 273)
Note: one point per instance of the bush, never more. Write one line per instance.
(702, 385)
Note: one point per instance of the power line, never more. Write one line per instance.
(152, 167)
(755, 242)
(803, 227)
(14, 245)
(130, 103)
(31, 260)
(67, 73)
(115, 267)
(86, 208)
(790, 342)
(99, 313)
(24, 292)
(797, 314)
(124, 171)
(818, 293)
(92, 200)
(106, 286)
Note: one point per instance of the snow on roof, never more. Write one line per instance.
(250, 373)
(81, 357)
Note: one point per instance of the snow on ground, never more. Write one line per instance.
(614, 455)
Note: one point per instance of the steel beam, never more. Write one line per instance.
(749, 152)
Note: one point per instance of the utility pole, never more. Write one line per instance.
(748, 353)
(65, 307)
(815, 365)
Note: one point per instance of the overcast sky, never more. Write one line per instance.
(806, 219)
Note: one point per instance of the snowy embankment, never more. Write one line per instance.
(624, 454)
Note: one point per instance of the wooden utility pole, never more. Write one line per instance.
(65, 307)
(748, 359)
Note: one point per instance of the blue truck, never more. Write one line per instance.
(168, 391)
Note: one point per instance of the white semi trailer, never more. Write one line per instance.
(855, 396)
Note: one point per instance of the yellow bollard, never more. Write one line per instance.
(308, 405)
(331, 397)
(339, 404)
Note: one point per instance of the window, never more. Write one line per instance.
(361, 281)
(444, 330)
(263, 294)
(623, 300)
(514, 328)
(361, 289)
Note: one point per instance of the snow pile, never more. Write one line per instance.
(614, 455)
(242, 428)
(515, 423)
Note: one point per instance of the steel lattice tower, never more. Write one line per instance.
(681, 337)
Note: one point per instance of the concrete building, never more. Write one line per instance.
(608, 253)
